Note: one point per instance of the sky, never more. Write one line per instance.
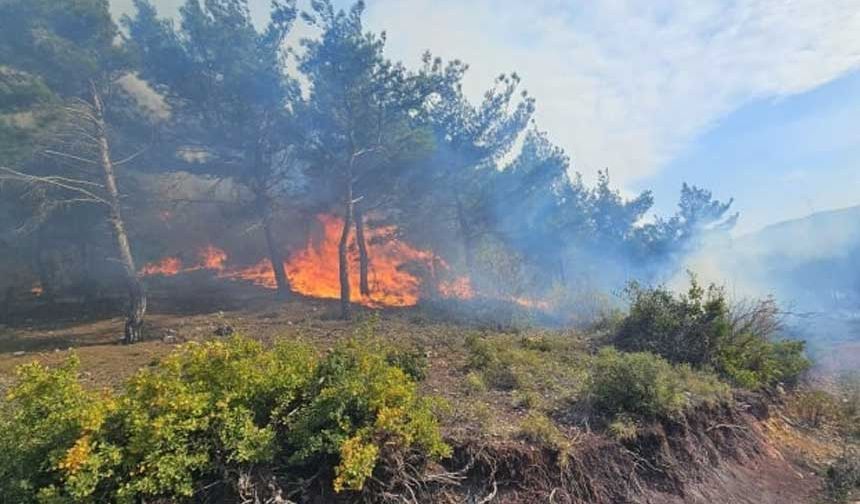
(752, 99)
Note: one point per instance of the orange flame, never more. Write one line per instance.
(168, 266)
(459, 288)
(313, 271)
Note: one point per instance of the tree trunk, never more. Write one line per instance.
(275, 256)
(363, 258)
(136, 292)
(343, 252)
(6, 307)
(466, 236)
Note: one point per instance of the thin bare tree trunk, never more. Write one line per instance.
(363, 257)
(136, 292)
(343, 252)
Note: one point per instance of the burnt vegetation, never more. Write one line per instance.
(208, 163)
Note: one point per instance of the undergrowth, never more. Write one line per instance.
(209, 417)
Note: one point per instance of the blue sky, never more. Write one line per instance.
(756, 99)
(779, 158)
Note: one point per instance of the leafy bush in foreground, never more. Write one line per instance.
(643, 384)
(210, 414)
(700, 328)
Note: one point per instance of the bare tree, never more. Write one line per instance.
(77, 168)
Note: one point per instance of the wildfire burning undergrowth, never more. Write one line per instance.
(393, 275)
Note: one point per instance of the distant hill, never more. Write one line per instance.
(812, 265)
(822, 234)
(813, 261)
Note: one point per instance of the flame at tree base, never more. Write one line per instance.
(313, 271)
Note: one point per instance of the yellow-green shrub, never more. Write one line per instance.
(206, 414)
(47, 422)
(358, 403)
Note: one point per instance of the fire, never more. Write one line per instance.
(213, 258)
(459, 288)
(393, 274)
(168, 266)
(531, 303)
(37, 289)
(314, 271)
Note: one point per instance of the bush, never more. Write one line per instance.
(210, 413)
(699, 328)
(357, 404)
(623, 428)
(538, 429)
(645, 385)
(686, 328)
(552, 365)
(46, 421)
(814, 408)
(843, 477)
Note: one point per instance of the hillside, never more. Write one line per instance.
(511, 392)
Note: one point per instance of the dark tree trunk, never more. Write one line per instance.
(343, 252)
(363, 257)
(275, 256)
(466, 236)
(262, 172)
(6, 306)
(136, 291)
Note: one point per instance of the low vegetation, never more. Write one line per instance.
(209, 419)
(701, 329)
(644, 385)
(232, 418)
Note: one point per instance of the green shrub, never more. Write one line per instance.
(701, 329)
(551, 365)
(474, 383)
(752, 362)
(358, 403)
(413, 361)
(538, 429)
(210, 413)
(843, 477)
(623, 428)
(46, 420)
(643, 384)
(685, 328)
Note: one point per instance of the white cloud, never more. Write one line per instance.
(626, 84)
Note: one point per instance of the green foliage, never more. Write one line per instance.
(553, 366)
(843, 477)
(623, 428)
(538, 429)
(646, 385)
(209, 412)
(413, 361)
(698, 328)
(358, 400)
(687, 328)
(753, 362)
(46, 413)
(474, 382)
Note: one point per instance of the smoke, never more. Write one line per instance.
(811, 266)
